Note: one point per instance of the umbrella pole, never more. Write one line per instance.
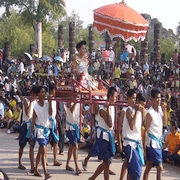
(116, 48)
(122, 45)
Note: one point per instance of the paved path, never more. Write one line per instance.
(9, 163)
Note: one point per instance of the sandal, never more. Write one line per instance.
(84, 167)
(21, 167)
(69, 169)
(32, 171)
(57, 164)
(112, 173)
(37, 174)
(78, 171)
(47, 176)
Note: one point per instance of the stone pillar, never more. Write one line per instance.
(91, 39)
(108, 41)
(60, 37)
(138, 56)
(71, 40)
(38, 38)
(144, 50)
(6, 51)
(32, 50)
(156, 54)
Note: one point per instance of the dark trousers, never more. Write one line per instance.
(61, 134)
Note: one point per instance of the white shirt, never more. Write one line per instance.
(72, 118)
(7, 87)
(124, 68)
(156, 126)
(145, 67)
(1, 110)
(93, 54)
(112, 55)
(25, 117)
(50, 70)
(21, 67)
(134, 134)
(42, 118)
(102, 123)
(53, 112)
(30, 69)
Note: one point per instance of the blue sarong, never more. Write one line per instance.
(133, 162)
(154, 154)
(139, 149)
(29, 130)
(111, 139)
(75, 126)
(55, 136)
(46, 130)
(156, 139)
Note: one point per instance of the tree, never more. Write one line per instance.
(35, 10)
(20, 36)
(49, 42)
(167, 47)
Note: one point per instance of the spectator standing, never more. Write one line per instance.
(30, 68)
(93, 55)
(67, 55)
(50, 69)
(175, 56)
(124, 69)
(117, 71)
(1, 59)
(112, 54)
(98, 54)
(21, 66)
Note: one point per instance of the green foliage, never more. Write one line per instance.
(167, 47)
(35, 10)
(21, 36)
(49, 43)
(18, 35)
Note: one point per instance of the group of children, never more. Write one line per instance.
(129, 132)
(39, 125)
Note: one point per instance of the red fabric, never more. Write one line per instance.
(1, 55)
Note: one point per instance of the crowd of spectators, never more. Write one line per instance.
(17, 76)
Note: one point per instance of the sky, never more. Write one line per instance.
(165, 11)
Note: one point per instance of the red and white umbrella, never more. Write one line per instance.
(120, 20)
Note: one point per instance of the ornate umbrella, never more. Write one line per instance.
(120, 20)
